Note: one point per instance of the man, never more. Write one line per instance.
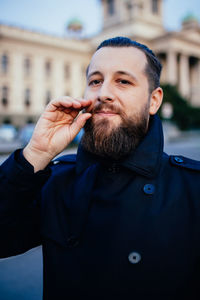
(121, 220)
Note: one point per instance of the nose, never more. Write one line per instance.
(105, 92)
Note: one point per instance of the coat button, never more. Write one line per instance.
(178, 159)
(149, 189)
(55, 162)
(72, 242)
(134, 257)
(114, 168)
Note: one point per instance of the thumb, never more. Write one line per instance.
(80, 122)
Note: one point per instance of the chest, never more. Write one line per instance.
(135, 230)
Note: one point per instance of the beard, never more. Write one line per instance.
(106, 140)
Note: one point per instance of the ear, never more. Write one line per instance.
(156, 100)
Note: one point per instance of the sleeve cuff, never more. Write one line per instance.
(20, 172)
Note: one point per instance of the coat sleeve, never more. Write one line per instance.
(20, 192)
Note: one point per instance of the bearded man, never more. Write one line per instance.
(121, 219)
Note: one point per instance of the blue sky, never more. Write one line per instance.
(51, 16)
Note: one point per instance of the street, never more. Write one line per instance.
(21, 276)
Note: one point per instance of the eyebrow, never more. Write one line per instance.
(93, 73)
(127, 74)
(117, 72)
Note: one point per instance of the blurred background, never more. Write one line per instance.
(45, 47)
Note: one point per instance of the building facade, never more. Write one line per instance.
(36, 67)
(179, 52)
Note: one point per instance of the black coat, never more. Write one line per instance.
(110, 230)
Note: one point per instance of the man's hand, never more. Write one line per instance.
(56, 128)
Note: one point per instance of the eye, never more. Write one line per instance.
(94, 82)
(124, 81)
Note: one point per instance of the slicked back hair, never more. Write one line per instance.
(153, 67)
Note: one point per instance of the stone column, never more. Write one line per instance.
(184, 82)
(39, 85)
(196, 100)
(76, 80)
(198, 74)
(172, 74)
(16, 90)
(58, 78)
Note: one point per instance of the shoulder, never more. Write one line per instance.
(63, 160)
(63, 164)
(183, 162)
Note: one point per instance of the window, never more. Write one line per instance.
(4, 63)
(111, 7)
(29, 121)
(27, 66)
(155, 6)
(48, 97)
(4, 98)
(67, 93)
(129, 8)
(129, 5)
(27, 97)
(48, 68)
(84, 70)
(7, 121)
(67, 71)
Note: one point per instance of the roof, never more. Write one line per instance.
(190, 17)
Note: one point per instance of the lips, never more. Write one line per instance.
(106, 112)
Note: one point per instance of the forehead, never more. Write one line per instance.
(118, 58)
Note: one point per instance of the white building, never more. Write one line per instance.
(35, 67)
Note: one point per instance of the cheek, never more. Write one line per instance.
(129, 104)
(87, 89)
(86, 94)
(134, 102)
(89, 96)
(90, 93)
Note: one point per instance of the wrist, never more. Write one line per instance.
(37, 158)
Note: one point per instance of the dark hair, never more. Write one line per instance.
(153, 67)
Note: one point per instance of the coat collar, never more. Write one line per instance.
(145, 160)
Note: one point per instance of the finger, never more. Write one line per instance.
(67, 102)
(65, 99)
(80, 122)
(62, 104)
(84, 102)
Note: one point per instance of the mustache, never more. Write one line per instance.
(105, 106)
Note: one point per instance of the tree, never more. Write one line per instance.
(184, 115)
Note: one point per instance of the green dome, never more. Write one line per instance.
(190, 17)
(75, 24)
